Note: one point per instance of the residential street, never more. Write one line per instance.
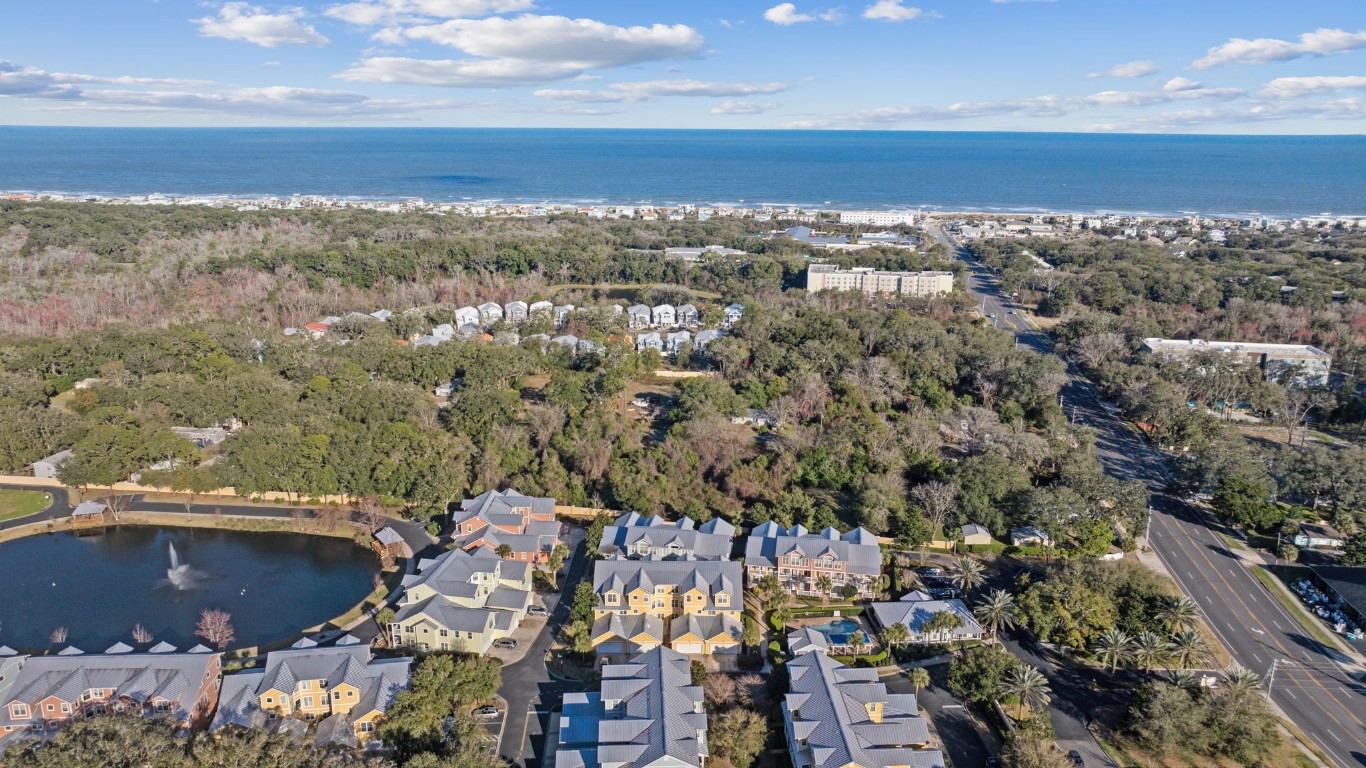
(1311, 685)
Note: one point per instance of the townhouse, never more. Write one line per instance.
(663, 316)
(691, 606)
(495, 519)
(462, 601)
(40, 694)
(344, 690)
(647, 714)
(838, 717)
(802, 559)
(636, 537)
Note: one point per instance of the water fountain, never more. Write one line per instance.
(180, 574)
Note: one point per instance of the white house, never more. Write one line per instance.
(732, 314)
(638, 317)
(1030, 536)
(466, 316)
(562, 313)
(687, 316)
(490, 313)
(674, 341)
(650, 340)
(663, 316)
(540, 308)
(516, 311)
(706, 337)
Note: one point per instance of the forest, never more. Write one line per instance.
(905, 416)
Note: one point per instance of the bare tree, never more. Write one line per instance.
(1098, 349)
(141, 635)
(215, 626)
(718, 689)
(937, 499)
(1299, 402)
(58, 636)
(329, 518)
(370, 513)
(543, 421)
(117, 505)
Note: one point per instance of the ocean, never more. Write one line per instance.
(1280, 176)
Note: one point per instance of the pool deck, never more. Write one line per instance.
(873, 645)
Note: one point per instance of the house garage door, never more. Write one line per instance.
(688, 647)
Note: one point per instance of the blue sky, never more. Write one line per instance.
(1198, 66)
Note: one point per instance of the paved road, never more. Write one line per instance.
(1311, 685)
(528, 688)
(960, 735)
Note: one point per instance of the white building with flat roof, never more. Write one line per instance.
(1301, 364)
(878, 218)
(822, 277)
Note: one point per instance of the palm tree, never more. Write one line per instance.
(1241, 680)
(995, 611)
(942, 625)
(1179, 613)
(782, 615)
(1149, 648)
(967, 574)
(824, 585)
(920, 678)
(856, 642)
(1029, 687)
(1188, 648)
(1183, 678)
(771, 587)
(504, 551)
(1114, 647)
(895, 634)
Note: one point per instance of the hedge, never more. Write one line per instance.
(994, 548)
(866, 660)
(829, 610)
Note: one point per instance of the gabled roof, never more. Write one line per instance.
(770, 542)
(712, 541)
(710, 576)
(138, 676)
(914, 613)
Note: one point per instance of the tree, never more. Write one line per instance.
(718, 690)
(1245, 503)
(967, 574)
(1029, 687)
(895, 634)
(370, 513)
(593, 538)
(585, 600)
(443, 686)
(975, 675)
(215, 626)
(937, 499)
(942, 625)
(1354, 549)
(750, 635)
(385, 621)
(825, 586)
(1188, 648)
(738, 735)
(1242, 680)
(57, 636)
(1179, 613)
(856, 642)
(558, 555)
(504, 551)
(1113, 647)
(140, 635)
(995, 611)
(1149, 649)
(920, 678)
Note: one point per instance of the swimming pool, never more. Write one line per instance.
(838, 631)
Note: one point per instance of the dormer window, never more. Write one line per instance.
(722, 598)
(612, 598)
(18, 710)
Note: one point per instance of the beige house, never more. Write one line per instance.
(691, 606)
(462, 601)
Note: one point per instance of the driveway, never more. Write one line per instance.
(965, 741)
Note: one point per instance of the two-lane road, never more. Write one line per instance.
(1312, 684)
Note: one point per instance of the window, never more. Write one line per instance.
(266, 700)
(336, 695)
(722, 598)
(51, 707)
(367, 727)
(163, 706)
(18, 710)
(66, 707)
(612, 598)
(444, 633)
(307, 701)
(350, 694)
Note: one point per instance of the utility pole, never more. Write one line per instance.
(1271, 676)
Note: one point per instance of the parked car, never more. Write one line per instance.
(537, 610)
(486, 712)
(1076, 759)
(505, 642)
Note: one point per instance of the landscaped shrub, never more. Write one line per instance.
(994, 548)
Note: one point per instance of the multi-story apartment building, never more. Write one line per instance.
(648, 714)
(838, 717)
(878, 218)
(803, 560)
(462, 602)
(691, 606)
(524, 524)
(343, 689)
(820, 277)
(653, 538)
(40, 694)
(1292, 364)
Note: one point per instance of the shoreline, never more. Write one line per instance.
(517, 207)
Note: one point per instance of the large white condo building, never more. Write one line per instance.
(820, 277)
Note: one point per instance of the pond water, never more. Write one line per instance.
(100, 585)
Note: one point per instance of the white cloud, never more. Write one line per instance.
(1128, 69)
(526, 50)
(740, 107)
(254, 24)
(785, 14)
(645, 91)
(370, 13)
(1295, 87)
(1180, 84)
(1146, 98)
(891, 10)
(1321, 42)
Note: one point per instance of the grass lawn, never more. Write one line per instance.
(20, 503)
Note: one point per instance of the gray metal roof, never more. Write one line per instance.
(141, 677)
(914, 614)
(665, 539)
(710, 576)
(858, 549)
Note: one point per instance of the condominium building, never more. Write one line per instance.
(878, 218)
(462, 601)
(343, 689)
(838, 717)
(40, 694)
(648, 714)
(806, 561)
(691, 606)
(637, 537)
(821, 277)
(1292, 364)
(525, 525)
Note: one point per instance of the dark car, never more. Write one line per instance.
(1076, 759)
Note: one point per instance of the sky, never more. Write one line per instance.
(1147, 66)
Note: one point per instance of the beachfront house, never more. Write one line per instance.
(462, 601)
(343, 689)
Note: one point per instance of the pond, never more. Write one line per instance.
(98, 586)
